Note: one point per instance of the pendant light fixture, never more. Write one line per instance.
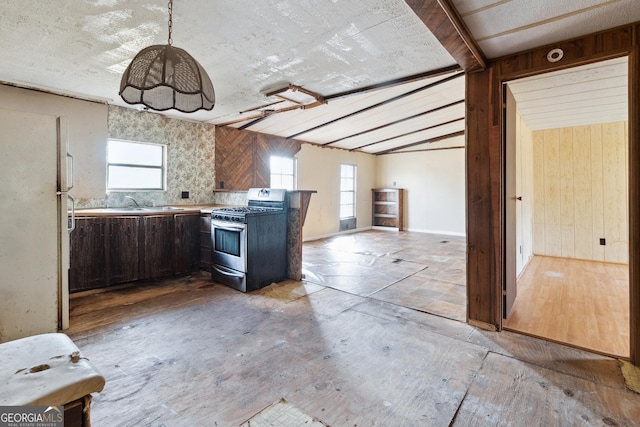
(164, 77)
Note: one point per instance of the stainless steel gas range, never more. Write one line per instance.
(249, 244)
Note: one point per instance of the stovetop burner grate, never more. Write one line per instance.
(247, 209)
(259, 202)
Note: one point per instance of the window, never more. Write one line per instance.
(282, 172)
(347, 191)
(135, 166)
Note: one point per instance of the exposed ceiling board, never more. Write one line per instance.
(297, 121)
(505, 27)
(449, 143)
(470, 7)
(589, 94)
(423, 136)
(413, 130)
(378, 120)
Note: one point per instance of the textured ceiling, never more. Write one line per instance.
(329, 47)
(502, 27)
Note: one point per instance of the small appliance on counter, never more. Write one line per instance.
(249, 244)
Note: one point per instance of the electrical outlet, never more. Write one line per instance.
(185, 194)
(603, 242)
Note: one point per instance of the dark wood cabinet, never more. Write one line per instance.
(187, 243)
(205, 242)
(157, 246)
(111, 250)
(123, 249)
(87, 258)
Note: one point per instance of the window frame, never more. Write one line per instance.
(162, 167)
(354, 169)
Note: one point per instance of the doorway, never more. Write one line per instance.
(566, 202)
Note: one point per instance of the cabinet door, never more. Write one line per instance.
(187, 243)
(123, 263)
(87, 258)
(158, 246)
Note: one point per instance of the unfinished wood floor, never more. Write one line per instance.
(582, 303)
(425, 272)
(190, 352)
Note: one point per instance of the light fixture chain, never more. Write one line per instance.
(170, 20)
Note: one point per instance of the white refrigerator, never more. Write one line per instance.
(34, 231)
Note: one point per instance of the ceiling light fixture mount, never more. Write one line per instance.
(164, 77)
(555, 55)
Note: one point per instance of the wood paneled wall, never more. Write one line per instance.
(580, 185)
(242, 157)
(485, 166)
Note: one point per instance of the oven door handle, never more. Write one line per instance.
(225, 227)
(226, 271)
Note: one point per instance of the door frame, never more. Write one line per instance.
(486, 174)
(633, 260)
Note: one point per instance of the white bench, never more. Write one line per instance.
(48, 370)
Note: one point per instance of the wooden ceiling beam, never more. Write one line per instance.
(444, 21)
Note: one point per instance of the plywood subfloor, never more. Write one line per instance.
(508, 392)
(190, 352)
(581, 303)
(423, 271)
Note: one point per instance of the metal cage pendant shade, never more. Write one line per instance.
(164, 77)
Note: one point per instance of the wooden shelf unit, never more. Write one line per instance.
(387, 207)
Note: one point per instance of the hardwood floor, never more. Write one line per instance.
(581, 303)
(191, 352)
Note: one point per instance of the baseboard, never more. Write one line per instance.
(446, 233)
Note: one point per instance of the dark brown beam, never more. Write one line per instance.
(395, 122)
(407, 133)
(379, 104)
(457, 147)
(426, 141)
(442, 19)
(253, 122)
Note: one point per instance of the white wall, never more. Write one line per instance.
(435, 188)
(319, 169)
(87, 130)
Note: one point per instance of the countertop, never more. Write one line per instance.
(147, 210)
